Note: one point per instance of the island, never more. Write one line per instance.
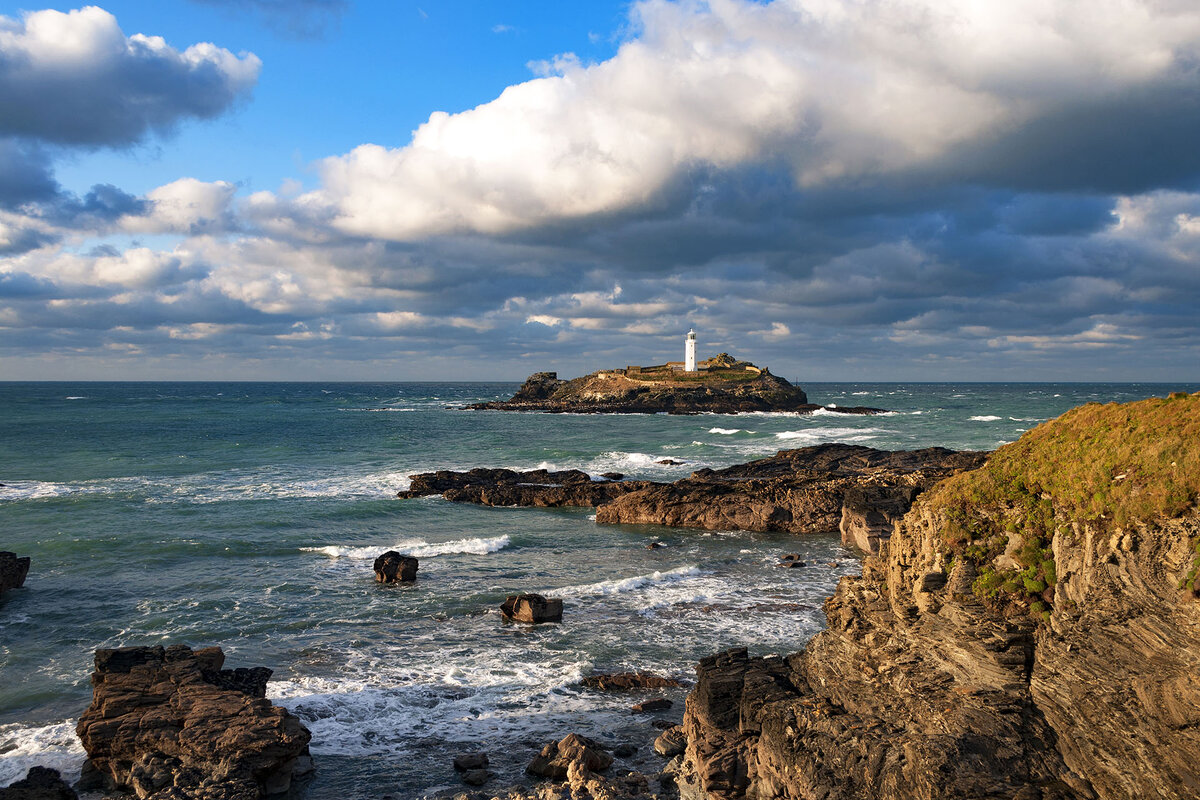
(719, 385)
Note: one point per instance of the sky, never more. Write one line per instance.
(842, 190)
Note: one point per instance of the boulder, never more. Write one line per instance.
(671, 742)
(169, 723)
(40, 783)
(12, 571)
(391, 567)
(628, 681)
(656, 704)
(475, 777)
(792, 561)
(469, 761)
(557, 757)
(532, 608)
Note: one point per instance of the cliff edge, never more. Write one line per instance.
(721, 385)
(1029, 630)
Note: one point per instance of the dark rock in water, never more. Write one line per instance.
(625, 750)
(12, 571)
(669, 462)
(467, 761)
(656, 704)
(671, 742)
(613, 476)
(655, 546)
(475, 777)
(629, 681)
(40, 783)
(169, 723)
(506, 487)
(557, 757)
(391, 567)
(661, 724)
(532, 608)
(791, 561)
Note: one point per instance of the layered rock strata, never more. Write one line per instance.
(12, 571)
(171, 724)
(1029, 631)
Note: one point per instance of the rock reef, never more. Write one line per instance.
(722, 385)
(811, 490)
(1030, 630)
(171, 724)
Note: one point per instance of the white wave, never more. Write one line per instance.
(75, 397)
(984, 418)
(1028, 419)
(55, 746)
(416, 547)
(860, 393)
(816, 435)
(725, 431)
(622, 585)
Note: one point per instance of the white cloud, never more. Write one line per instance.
(76, 78)
(836, 90)
(185, 206)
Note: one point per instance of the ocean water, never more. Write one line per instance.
(248, 515)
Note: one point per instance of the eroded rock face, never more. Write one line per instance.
(532, 608)
(796, 491)
(941, 675)
(629, 681)
(171, 723)
(391, 567)
(12, 571)
(557, 758)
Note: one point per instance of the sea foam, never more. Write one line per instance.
(417, 547)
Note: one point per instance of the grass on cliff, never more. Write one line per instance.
(1112, 464)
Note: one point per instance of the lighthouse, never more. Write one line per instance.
(689, 352)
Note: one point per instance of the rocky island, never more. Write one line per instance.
(720, 385)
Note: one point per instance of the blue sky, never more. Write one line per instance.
(840, 189)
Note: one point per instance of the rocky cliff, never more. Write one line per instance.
(1029, 630)
(724, 386)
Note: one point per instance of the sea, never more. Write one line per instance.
(248, 515)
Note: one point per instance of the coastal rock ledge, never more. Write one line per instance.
(171, 724)
(720, 385)
(1030, 631)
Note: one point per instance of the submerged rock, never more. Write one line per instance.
(532, 608)
(40, 783)
(12, 571)
(168, 723)
(391, 567)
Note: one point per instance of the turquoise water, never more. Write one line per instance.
(248, 515)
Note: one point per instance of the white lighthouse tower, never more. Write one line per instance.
(689, 352)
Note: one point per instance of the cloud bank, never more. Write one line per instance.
(888, 189)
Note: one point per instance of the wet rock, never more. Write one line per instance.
(661, 724)
(656, 704)
(391, 567)
(165, 724)
(625, 750)
(792, 561)
(13, 571)
(655, 546)
(669, 462)
(629, 681)
(556, 757)
(532, 608)
(475, 777)
(613, 476)
(467, 761)
(671, 742)
(505, 487)
(40, 783)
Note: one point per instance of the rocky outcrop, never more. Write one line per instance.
(12, 571)
(629, 681)
(797, 491)
(722, 386)
(574, 751)
(506, 487)
(40, 783)
(532, 609)
(944, 672)
(171, 724)
(391, 567)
